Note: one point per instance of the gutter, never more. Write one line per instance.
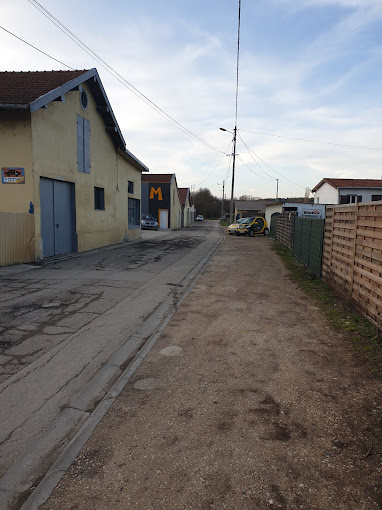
(14, 106)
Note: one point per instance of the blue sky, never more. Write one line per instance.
(309, 69)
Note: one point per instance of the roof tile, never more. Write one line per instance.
(25, 87)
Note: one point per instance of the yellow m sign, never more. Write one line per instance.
(157, 192)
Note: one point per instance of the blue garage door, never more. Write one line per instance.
(57, 217)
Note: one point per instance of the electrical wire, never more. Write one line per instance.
(258, 175)
(116, 75)
(209, 175)
(273, 170)
(35, 48)
(250, 153)
(314, 141)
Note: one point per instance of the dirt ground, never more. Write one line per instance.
(249, 400)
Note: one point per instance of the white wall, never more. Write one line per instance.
(270, 209)
(326, 194)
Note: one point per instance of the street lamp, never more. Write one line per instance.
(233, 169)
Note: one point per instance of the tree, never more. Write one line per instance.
(207, 204)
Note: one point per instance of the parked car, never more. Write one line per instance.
(249, 226)
(148, 222)
(199, 217)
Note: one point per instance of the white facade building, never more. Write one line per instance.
(347, 191)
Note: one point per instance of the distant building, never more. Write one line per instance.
(188, 211)
(246, 208)
(303, 210)
(347, 191)
(161, 199)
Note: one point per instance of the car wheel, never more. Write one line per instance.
(251, 233)
(266, 232)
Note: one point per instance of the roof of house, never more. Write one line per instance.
(33, 90)
(349, 183)
(183, 193)
(250, 205)
(23, 88)
(162, 178)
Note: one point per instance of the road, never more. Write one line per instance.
(62, 322)
(249, 400)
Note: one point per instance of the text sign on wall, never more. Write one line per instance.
(12, 175)
(156, 192)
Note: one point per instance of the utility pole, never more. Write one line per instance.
(231, 210)
(222, 209)
(235, 128)
(277, 189)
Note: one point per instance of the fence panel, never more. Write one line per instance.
(16, 238)
(285, 229)
(308, 242)
(352, 260)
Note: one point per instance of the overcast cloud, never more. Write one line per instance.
(308, 69)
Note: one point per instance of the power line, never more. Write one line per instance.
(249, 152)
(313, 141)
(258, 175)
(116, 75)
(273, 170)
(34, 47)
(209, 175)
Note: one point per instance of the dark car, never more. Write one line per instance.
(148, 222)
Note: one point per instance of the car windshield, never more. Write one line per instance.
(240, 220)
(247, 220)
(148, 217)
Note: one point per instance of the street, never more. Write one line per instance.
(249, 400)
(62, 322)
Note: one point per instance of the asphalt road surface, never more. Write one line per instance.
(62, 322)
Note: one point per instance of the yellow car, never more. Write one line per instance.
(250, 226)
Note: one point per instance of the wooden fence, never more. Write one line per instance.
(285, 229)
(16, 238)
(352, 255)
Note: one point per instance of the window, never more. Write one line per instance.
(83, 145)
(350, 199)
(99, 199)
(83, 100)
(376, 198)
(134, 212)
(130, 187)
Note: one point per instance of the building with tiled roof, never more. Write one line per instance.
(347, 191)
(64, 163)
(188, 210)
(161, 199)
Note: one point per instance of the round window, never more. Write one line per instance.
(84, 100)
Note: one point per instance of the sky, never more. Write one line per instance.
(308, 70)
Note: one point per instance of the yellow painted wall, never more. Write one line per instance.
(54, 148)
(16, 151)
(176, 207)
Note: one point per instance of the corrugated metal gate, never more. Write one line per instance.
(308, 243)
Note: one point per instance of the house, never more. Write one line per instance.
(347, 191)
(188, 211)
(303, 210)
(64, 161)
(161, 199)
(245, 208)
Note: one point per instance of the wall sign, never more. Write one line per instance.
(156, 192)
(12, 175)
